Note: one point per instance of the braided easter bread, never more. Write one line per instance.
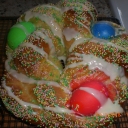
(88, 91)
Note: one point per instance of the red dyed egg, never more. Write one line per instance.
(95, 84)
(88, 98)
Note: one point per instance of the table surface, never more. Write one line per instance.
(7, 120)
(18, 7)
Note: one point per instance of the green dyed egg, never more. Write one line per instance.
(18, 33)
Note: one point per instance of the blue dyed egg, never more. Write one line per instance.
(103, 30)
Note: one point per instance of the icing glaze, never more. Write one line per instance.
(97, 94)
(62, 58)
(84, 26)
(70, 33)
(110, 108)
(22, 27)
(35, 48)
(41, 33)
(48, 20)
(49, 6)
(11, 94)
(58, 109)
(78, 41)
(94, 62)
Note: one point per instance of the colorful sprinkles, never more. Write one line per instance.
(30, 61)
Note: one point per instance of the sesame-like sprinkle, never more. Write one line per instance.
(45, 95)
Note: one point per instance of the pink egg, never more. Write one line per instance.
(88, 98)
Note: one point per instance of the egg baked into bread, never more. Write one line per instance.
(87, 90)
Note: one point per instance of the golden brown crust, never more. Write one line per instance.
(37, 89)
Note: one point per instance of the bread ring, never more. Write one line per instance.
(92, 87)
